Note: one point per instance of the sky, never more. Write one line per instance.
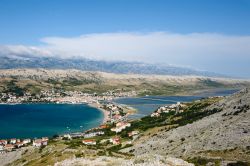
(212, 35)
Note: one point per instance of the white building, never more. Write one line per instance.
(155, 114)
(13, 141)
(40, 142)
(26, 141)
(120, 126)
(89, 135)
(3, 142)
(132, 133)
(68, 136)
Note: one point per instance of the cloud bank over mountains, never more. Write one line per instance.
(208, 51)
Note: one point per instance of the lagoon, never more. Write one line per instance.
(147, 104)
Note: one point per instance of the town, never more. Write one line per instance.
(60, 96)
(13, 144)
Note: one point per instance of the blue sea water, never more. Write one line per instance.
(37, 120)
(147, 104)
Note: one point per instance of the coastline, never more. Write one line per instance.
(105, 113)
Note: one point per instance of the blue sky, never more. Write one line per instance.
(46, 24)
(27, 21)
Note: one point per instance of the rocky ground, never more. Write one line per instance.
(224, 135)
(144, 160)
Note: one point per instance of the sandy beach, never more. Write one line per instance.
(105, 113)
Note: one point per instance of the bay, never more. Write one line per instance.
(38, 120)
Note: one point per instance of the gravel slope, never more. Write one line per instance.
(224, 132)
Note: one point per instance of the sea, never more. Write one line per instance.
(38, 120)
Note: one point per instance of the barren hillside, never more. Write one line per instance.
(224, 135)
(34, 80)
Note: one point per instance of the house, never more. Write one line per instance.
(76, 135)
(116, 129)
(3, 142)
(123, 124)
(117, 117)
(120, 126)
(89, 135)
(45, 138)
(103, 126)
(40, 142)
(168, 110)
(9, 147)
(68, 136)
(1, 148)
(89, 142)
(13, 141)
(115, 140)
(155, 114)
(132, 133)
(19, 144)
(26, 141)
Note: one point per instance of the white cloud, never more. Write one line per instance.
(151, 47)
(18, 50)
(208, 51)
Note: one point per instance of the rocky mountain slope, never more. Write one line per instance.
(144, 160)
(223, 135)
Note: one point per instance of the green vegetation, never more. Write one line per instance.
(194, 111)
(211, 83)
(115, 148)
(12, 87)
(76, 82)
(200, 161)
(75, 143)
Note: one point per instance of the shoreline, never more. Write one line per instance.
(104, 112)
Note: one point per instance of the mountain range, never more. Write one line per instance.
(14, 60)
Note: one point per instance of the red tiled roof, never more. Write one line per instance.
(88, 140)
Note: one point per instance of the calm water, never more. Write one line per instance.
(37, 120)
(146, 105)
